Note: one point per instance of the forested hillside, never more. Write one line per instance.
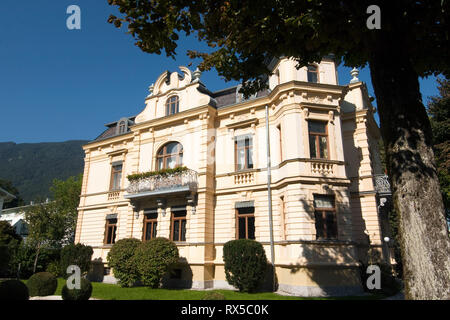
(31, 167)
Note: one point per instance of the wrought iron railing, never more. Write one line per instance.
(382, 184)
(187, 178)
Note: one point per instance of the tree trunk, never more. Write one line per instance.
(36, 258)
(407, 136)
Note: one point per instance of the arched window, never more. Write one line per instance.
(313, 73)
(172, 105)
(170, 156)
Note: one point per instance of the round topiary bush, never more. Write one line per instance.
(153, 258)
(84, 293)
(213, 296)
(121, 260)
(245, 264)
(42, 284)
(13, 290)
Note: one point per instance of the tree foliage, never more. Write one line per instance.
(66, 194)
(9, 244)
(243, 35)
(439, 111)
(46, 225)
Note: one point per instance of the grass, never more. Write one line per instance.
(106, 291)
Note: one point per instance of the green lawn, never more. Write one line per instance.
(114, 292)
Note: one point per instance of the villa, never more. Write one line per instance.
(327, 182)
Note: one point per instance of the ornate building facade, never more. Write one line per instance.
(324, 167)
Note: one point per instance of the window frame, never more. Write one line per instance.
(324, 212)
(122, 127)
(172, 100)
(112, 187)
(180, 225)
(153, 222)
(316, 72)
(109, 225)
(246, 152)
(317, 136)
(164, 156)
(246, 216)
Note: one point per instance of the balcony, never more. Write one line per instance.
(382, 185)
(163, 184)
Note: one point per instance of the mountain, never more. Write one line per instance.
(31, 167)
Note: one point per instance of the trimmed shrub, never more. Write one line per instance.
(42, 284)
(121, 259)
(213, 296)
(76, 254)
(153, 258)
(13, 290)
(245, 264)
(84, 293)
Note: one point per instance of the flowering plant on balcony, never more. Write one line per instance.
(162, 172)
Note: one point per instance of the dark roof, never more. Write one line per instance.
(111, 130)
(221, 99)
(230, 96)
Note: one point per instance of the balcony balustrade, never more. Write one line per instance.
(185, 181)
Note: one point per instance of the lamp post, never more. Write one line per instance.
(269, 191)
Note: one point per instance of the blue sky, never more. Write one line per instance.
(58, 84)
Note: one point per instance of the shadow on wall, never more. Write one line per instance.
(178, 277)
(97, 272)
(328, 267)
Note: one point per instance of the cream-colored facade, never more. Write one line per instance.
(223, 139)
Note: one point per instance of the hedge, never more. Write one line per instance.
(42, 284)
(153, 258)
(121, 260)
(84, 293)
(245, 264)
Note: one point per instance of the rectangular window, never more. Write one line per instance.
(178, 224)
(116, 176)
(325, 215)
(318, 139)
(111, 227)
(245, 223)
(243, 148)
(150, 224)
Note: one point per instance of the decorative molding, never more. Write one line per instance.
(244, 123)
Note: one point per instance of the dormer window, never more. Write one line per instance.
(313, 73)
(122, 127)
(172, 105)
